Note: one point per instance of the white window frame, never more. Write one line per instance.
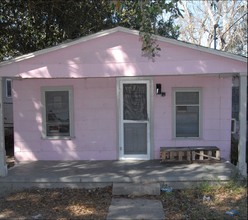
(175, 90)
(71, 110)
(6, 88)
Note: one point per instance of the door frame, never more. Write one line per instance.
(120, 148)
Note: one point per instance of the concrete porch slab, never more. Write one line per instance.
(83, 174)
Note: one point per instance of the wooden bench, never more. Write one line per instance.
(189, 154)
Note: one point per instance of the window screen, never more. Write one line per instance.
(135, 102)
(57, 113)
(187, 111)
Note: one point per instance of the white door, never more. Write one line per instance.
(134, 119)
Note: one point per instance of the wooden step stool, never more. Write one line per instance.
(205, 153)
(175, 154)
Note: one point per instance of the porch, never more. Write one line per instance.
(90, 174)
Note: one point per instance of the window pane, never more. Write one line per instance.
(187, 121)
(187, 98)
(135, 102)
(8, 88)
(57, 113)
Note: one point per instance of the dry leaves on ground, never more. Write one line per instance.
(60, 203)
(203, 204)
(67, 203)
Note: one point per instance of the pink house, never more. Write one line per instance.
(98, 98)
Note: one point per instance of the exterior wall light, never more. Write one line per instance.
(159, 89)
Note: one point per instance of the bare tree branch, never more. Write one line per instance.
(197, 26)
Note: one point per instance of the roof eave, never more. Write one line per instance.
(125, 30)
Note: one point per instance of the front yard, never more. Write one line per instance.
(205, 202)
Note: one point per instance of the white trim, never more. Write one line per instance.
(71, 110)
(131, 80)
(128, 31)
(186, 89)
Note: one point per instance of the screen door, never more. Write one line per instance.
(135, 120)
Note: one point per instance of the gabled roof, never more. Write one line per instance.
(129, 31)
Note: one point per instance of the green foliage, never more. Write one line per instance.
(205, 188)
(31, 25)
(147, 16)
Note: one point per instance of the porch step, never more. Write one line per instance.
(136, 189)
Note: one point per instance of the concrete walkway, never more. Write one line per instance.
(146, 209)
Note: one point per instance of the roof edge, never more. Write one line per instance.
(63, 45)
(188, 45)
(129, 31)
(202, 48)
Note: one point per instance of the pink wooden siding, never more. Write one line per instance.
(119, 54)
(96, 118)
(216, 113)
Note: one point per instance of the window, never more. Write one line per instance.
(8, 86)
(57, 113)
(187, 113)
(233, 126)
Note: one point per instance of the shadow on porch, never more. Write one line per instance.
(89, 174)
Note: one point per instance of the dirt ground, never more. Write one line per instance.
(67, 203)
(206, 203)
(60, 203)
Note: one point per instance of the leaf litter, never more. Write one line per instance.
(66, 203)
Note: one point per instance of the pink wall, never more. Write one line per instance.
(119, 54)
(216, 109)
(95, 115)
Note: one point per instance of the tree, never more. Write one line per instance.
(30, 25)
(146, 16)
(229, 17)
